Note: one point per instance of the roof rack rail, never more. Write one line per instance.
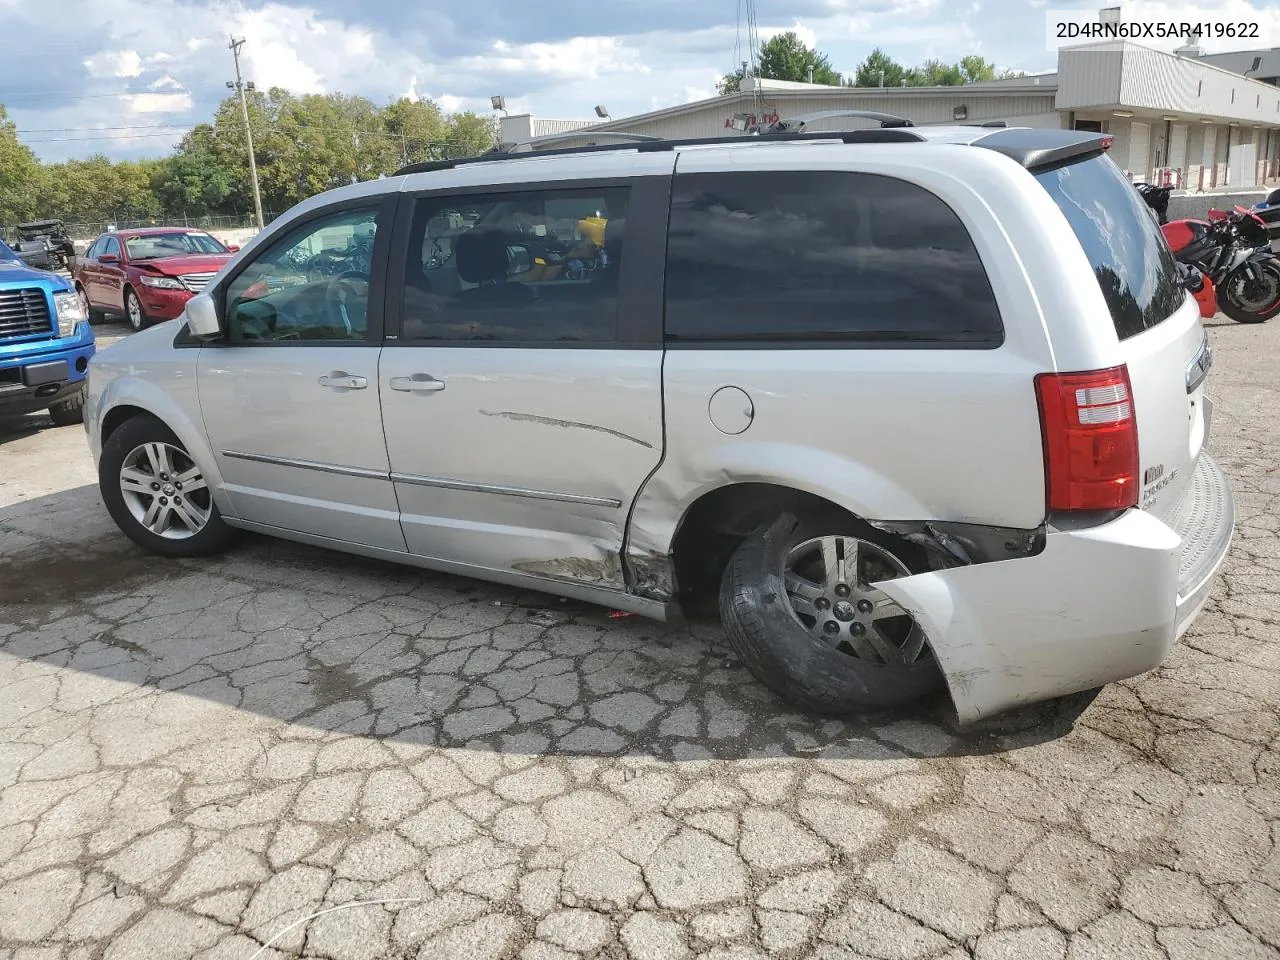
(874, 135)
(797, 124)
(533, 145)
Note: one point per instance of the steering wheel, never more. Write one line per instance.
(341, 291)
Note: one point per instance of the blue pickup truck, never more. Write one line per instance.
(45, 343)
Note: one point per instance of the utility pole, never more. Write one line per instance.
(240, 86)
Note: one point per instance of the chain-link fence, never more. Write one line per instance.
(88, 230)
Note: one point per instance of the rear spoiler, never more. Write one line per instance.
(1042, 149)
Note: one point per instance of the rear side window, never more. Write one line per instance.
(826, 257)
(1130, 258)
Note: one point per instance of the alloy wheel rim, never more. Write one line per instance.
(164, 491)
(84, 301)
(135, 312)
(829, 582)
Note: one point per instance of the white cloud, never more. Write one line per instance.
(114, 63)
(139, 103)
(580, 58)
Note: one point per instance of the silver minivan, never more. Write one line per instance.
(911, 406)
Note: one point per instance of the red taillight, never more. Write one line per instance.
(1090, 439)
(1106, 142)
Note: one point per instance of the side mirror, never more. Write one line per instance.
(233, 247)
(202, 317)
(108, 258)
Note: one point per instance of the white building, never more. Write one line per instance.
(1176, 118)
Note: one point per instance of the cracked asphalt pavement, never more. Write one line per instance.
(239, 758)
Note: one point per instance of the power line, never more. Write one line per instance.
(132, 126)
(54, 98)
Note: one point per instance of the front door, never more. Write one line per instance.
(290, 398)
(522, 397)
(108, 279)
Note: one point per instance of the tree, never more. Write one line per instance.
(935, 73)
(19, 174)
(787, 57)
(931, 73)
(198, 180)
(879, 70)
(303, 145)
(468, 134)
(975, 69)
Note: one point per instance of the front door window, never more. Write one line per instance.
(312, 285)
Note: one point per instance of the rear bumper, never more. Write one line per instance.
(1096, 605)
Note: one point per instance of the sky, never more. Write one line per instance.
(128, 77)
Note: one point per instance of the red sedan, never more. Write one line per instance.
(147, 275)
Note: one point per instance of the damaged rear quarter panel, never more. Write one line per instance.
(1095, 606)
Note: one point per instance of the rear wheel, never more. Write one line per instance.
(1251, 301)
(157, 494)
(798, 604)
(133, 311)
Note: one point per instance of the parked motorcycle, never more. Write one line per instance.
(1233, 251)
(1269, 211)
(1157, 199)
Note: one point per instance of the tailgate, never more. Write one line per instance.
(1157, 323)
(1167, 365)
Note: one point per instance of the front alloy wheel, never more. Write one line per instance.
(165, 491)
(133, 310)
(157, 494)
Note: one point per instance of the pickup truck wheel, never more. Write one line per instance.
(133, 311)
(157, 494)
(92, 314)
(68, 412)
(799, 608)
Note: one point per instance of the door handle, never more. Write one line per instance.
(418, 383)
(341, 380)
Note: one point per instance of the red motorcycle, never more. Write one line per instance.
(1233, 252)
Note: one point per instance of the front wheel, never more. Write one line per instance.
(92, 314)
(157, 494)
(1245, 300)
(799, 605)
(133, 311)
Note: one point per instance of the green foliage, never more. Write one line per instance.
(19, 171)
(931, 73)
(879, 70)
(787, 57)
(303, 145)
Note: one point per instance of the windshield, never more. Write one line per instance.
(6, 253)
(1130, 257)
(158, 245)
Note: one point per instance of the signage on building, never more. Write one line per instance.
(752, 120)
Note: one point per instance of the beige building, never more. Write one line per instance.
(1177, 118)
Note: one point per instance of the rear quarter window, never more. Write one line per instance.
(1130, 259)
(822, 257)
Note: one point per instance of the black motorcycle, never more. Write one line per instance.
(1157, 199)
(1234, 252)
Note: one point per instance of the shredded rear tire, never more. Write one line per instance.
(783, 654)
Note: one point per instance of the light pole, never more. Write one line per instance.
(241, 86)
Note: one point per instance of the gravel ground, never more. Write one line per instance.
(195, 757)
